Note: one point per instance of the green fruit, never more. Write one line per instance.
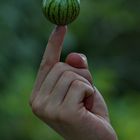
(61, 12)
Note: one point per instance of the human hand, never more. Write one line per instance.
(64, 98)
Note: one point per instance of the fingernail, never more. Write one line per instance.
(84, 58)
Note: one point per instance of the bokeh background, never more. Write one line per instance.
(107, 32)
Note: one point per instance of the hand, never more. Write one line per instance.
(64, 98)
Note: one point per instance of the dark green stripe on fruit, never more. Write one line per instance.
(64, 13)
(53, 17)
(56, 11)
(69, 12)
(49, 12)
(67, 1)
(77, 7)
(59, 13)
(73, 9)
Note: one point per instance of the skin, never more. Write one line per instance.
(64, 98)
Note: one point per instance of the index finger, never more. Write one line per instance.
(51, 55)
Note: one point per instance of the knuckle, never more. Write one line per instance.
(68, 74)
(35, 108)
(76, 84)
(48, 111)
(58, 68)
(59, 65)
(77, 80)
(89, 77)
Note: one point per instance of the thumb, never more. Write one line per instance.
(77, 60)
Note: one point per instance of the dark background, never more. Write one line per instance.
(107, 32)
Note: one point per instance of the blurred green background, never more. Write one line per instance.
(107, 32)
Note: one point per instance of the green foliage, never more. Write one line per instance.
(108, 32)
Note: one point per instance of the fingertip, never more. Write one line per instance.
(57, 36)
(59, 29)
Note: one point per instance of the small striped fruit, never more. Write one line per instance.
(61, 12)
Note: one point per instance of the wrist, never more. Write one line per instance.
(89, 129)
